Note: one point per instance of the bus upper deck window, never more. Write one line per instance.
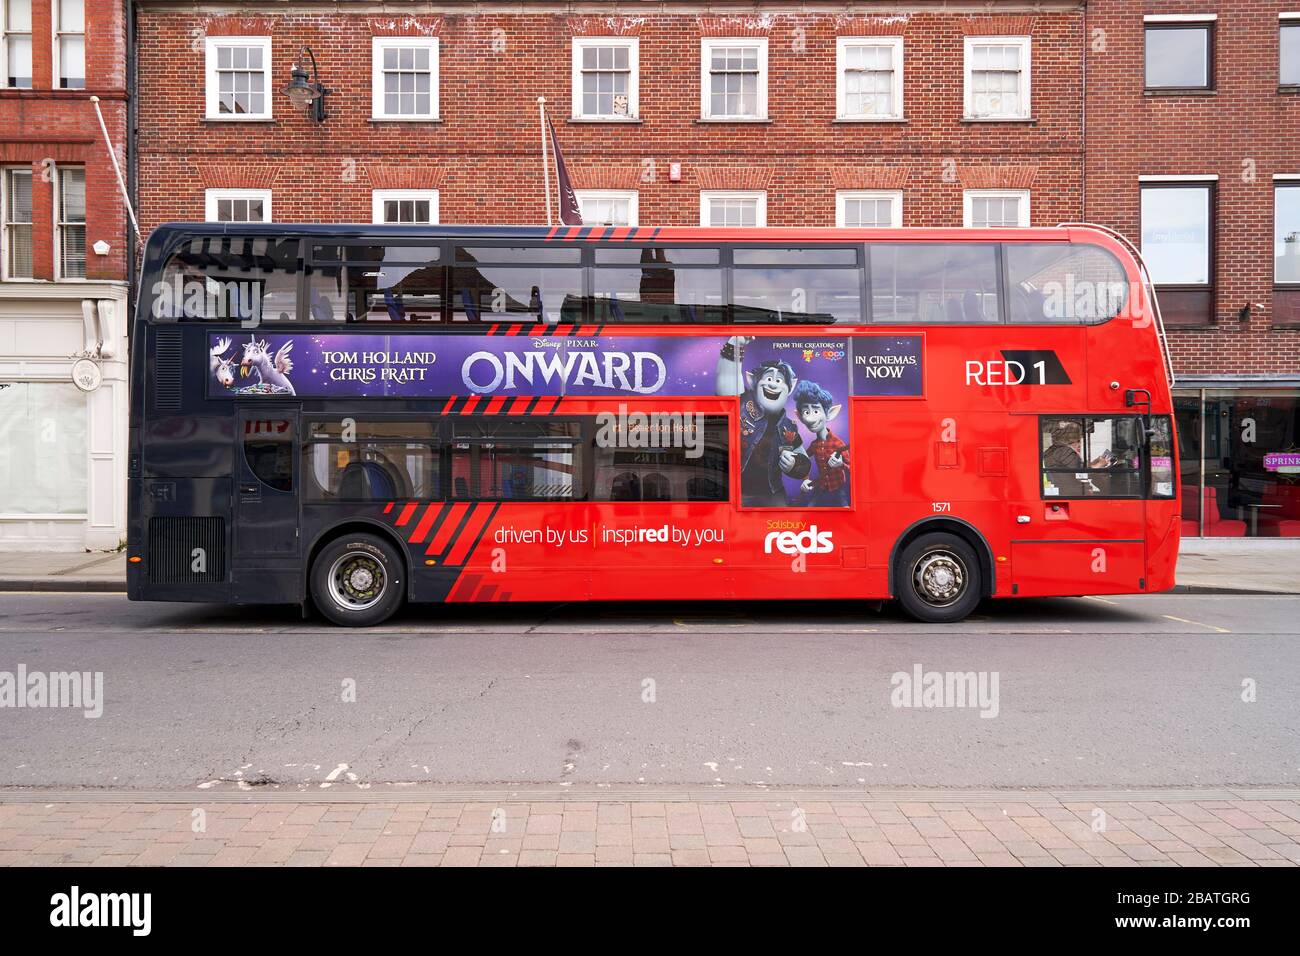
(229, 279)
(776, 294)
(376, 283)
(1063, 283)
(517, 284)
(652, 290)
(953, 283)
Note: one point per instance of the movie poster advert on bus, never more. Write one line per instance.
(307, 365)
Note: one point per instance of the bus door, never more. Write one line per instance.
(266, 483)
(1085, 532)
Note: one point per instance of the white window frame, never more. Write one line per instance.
(212, 93)
(969, 195)
(633, 45)
(379, 196)
(213, 196)
(60, 223)
(1282, 181)
(895, 46)
(56, 15)
(1209, 183)
(377, 47)
(5, 34)
(1285, 20)
(895, 197)
(5, 251)
(1026, 72)
(706, 55)
(631, 195)
(709, 196)
(1207, 20)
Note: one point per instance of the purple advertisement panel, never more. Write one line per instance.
(888, 366)
(794, 440)
(367, 365)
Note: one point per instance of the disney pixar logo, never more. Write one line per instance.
(810, 541)
(832, 355)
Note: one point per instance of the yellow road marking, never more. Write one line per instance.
(1212, 627)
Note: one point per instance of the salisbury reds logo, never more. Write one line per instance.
(810, 541)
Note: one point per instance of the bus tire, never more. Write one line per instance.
(357, 580)
(937, 578)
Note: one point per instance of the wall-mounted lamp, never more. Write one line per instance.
(306, 91)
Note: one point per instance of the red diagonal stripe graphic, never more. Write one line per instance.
(426, 522)
(468, 537)
(443, 535)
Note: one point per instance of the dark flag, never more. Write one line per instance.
(570, 214)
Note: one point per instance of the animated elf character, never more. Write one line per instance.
(770, 446)
(816, 409)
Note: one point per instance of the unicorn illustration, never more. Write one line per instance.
(272, 372)
(222, 367)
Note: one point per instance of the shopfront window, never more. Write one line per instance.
(1246, 480)
(1187, 429)
(43, 434)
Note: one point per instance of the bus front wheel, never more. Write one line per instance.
(357, 580)
(937, 579)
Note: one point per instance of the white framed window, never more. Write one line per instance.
(733, 78)
(71, 232)
(733, 208)
(1288, 49)
(1177, 229)
(997, 78)
(404, 78)
(70, 43)
(608, 207)
(16, 206)
(238, 205)
(606, 78)
(1179, 51)
(868, 208)
(16, 45)
(404, 206)
(238, 78)
(869, 78)
(995, 208)
(1286, 231)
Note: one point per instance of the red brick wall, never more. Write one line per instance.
(44, 126)
(1245, 132)
(483, 156)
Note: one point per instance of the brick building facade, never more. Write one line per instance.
(481, 152)
(1193, 150)
(63, 290)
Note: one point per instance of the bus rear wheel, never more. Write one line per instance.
(937, 578)
(357, 580)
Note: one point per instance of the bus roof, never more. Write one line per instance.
(659, 234)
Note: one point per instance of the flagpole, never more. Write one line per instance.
(126, 198)
(546, 166)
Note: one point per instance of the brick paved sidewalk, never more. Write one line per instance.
(383, 829)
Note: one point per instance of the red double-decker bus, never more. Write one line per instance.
(358, 416)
